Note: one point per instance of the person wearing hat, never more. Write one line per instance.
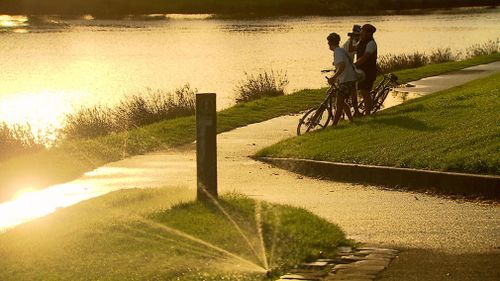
(351, 43)
(350, 46)
(366, 53)
(344, 74)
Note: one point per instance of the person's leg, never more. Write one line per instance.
(367, 99)
(364, 90)
(345, 92)
(347, 111)
(339, 105)
(350, 93)
(354, 98)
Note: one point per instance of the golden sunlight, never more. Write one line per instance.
(13, 21)
(43, 111)
(29, 204)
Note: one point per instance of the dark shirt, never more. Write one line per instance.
(370, 65)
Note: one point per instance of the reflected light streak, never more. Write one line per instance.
(29, 205)
(13, 21)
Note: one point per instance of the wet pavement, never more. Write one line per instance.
(367, 214)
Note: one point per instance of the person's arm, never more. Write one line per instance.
(362, 59)
(370, 50)
(338, 70)
(352, 47)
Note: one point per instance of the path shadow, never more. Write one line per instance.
(432, 265)
(408, 109)
(404, 122)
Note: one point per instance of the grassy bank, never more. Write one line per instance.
(148, 235)
(73, 158)
(453, 130)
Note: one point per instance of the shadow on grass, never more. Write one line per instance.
(407, 109)
(430, 265)
(404, 122)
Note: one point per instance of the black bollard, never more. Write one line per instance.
(206, 146)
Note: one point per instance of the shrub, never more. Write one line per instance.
(388, 63)
(266, 84)
(89, 122)
(16, 140)
(133, 111)
(487, 48)
(153, 106)
(441, 55)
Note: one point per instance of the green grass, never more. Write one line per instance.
(73, 158)
(453, 130)
(143, 235)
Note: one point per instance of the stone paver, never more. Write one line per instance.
(367, 265)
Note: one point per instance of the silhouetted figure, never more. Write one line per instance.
(350, 46)
(366, 53)
(344, 74)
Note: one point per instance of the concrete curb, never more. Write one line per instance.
(468, 185)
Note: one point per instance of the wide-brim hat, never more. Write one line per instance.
(356, 30)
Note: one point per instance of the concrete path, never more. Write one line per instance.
(442, 82)
(440, 238)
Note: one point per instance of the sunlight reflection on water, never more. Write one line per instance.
(7, 21)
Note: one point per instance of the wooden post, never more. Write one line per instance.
(206, 146)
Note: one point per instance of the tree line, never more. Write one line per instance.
(258, 7)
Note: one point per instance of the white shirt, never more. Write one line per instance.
(340, 55)
(346, 48)
(371, 47)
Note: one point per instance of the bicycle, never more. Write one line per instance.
(380, 93)
(319, 117)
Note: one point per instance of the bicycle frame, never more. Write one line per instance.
(314, 118)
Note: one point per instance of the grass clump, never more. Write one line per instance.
(266, 84)
(390, 62)
(149, 235)
(453, 130)
(17, 140)
(487, 48)
(133, 111)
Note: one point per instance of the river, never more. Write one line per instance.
(53, 65)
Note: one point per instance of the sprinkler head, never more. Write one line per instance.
(268, 273)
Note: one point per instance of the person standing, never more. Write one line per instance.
(352, 42)
(350, 46)
(366, 53)
(344, 74)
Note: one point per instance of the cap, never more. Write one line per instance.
(369, 28)
(333, 37)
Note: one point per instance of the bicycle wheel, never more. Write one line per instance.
(379, 99)
(314, 119)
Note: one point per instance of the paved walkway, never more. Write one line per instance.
(462, 233)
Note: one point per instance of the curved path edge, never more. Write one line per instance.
(467, 185)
